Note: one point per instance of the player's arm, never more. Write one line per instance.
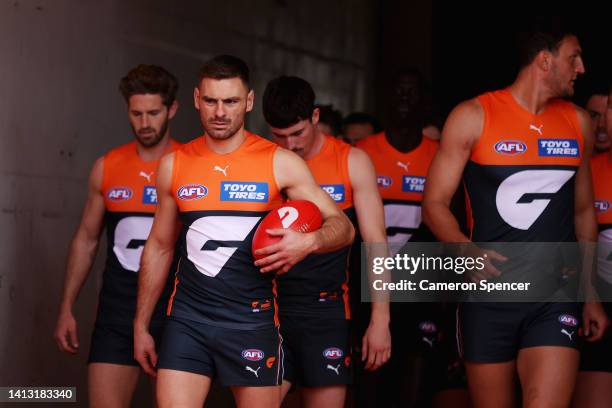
(155, 264)
(584, 213)
(461, 130)
(82, 253)
(294, 178)
(595, 320)
(376, 343)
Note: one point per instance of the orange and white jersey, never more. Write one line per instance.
(130, 197)
(401, 183)
(601, 169)
(520, 176)
(221, 199)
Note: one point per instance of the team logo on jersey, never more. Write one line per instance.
(602, 205)
(149, 195)
(558, 148)
(333, 353)
(428, 327)
(522, 198)
(413, 184)
(119, 194)
(335, 191)
(192, 192)
(244, 191)
(568, 320)
(384, 181)
(510, 147)
(253, 354)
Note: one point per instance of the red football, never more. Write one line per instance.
(299, 215)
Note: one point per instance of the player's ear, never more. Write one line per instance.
(196, 97)
(543, 60)
(172, 109)
(250, 100)
(315, 116)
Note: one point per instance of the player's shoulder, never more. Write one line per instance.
(370, 142)
(121, 151)
(357, 155)
(583, 114)
(470, 108)
(175, 145)
(257, 142)
(284, 156)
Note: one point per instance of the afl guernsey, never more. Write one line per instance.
(221, 199)
(130, 197)
(601, 168)
(520, 187)
(319, 283)
(520, 176)
(401, 182)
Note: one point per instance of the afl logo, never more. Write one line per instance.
(252, 354)
(602, 205)
(192, 192)
(333, 353)
(119, 194)
(428, 327)
(510, 147)
(384, 181)
(568, 320)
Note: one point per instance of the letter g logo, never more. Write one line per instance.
(523, 197)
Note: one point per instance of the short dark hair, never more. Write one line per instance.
(362, 117)
(331, 117)
(287, 100)
(544, 35)
(225, 67)
(149, 79)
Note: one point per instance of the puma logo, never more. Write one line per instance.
(335, 369)
(253, 371)
(222, 170)
(403, 165)
(567, 333)
(428, 341)
(145, 175)
(536, 128)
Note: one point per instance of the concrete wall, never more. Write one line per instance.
(60, 62)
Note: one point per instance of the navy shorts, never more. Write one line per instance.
(495, 332)
(317, 350)
(233, 357)
(114, 344)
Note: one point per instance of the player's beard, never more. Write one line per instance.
(153, 138)
(222, 134)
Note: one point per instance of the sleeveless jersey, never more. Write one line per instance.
(128, 187)
(521, 173)
(319, 283)
(221, 199)
(401, 182)
(601, 168)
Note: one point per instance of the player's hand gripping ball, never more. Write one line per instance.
(299, 215)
